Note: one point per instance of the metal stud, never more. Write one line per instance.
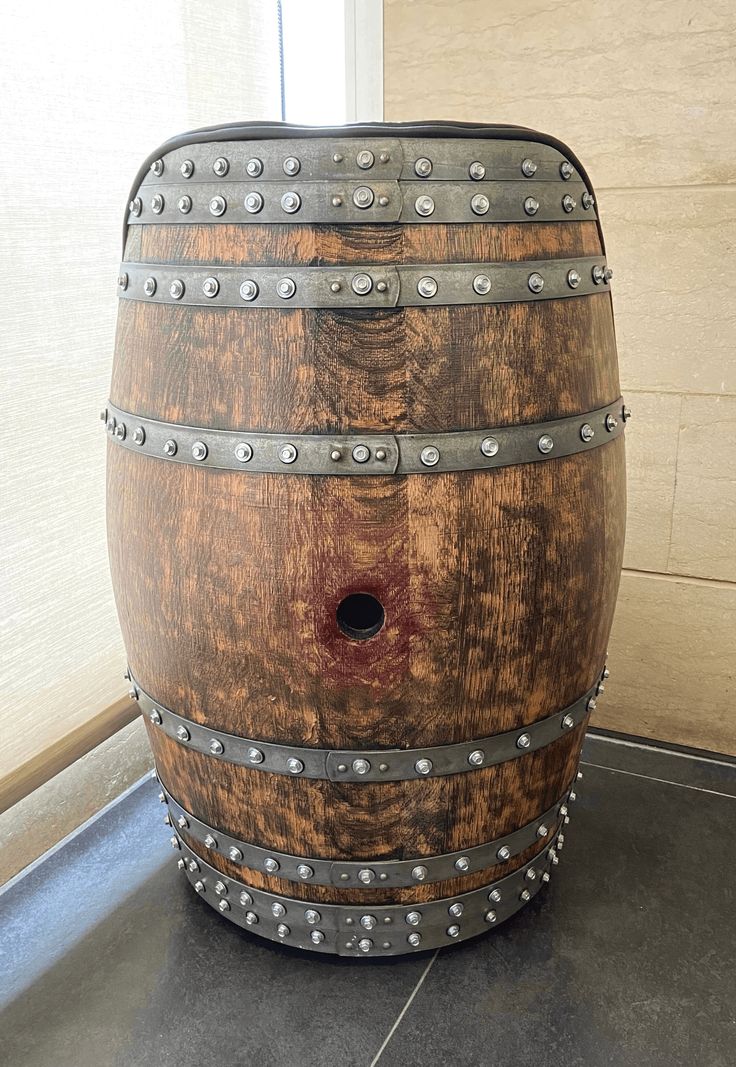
(535, 282)
(157, 204)
(335, 455)
(413, 918)
(611, 423)
(490, 916)
(312, 916)
(182, 734)
(361, 766)
(216, 747)
(175, 842)
(218, 205)
(253, 203)
(139, 437)
(155, 717)
(162, 798)
(336, 201)
(504, 853)
(136, 206)
(456, 910)
(235, 854)
(176, 289)
(424, 205)
(525, 895)
(278, 910)
(291, 202)
(427, 287)
(477, 758)
(531, 205)
(294, 765)
(606, 673)
(598, 274)
(193, 866)
(361, 284)
(568, 722)
(283, 930)
(542, 830)
(181, 864)
(224, 905)
(489, 446)
(305, 871)
(337, 157)
(481, 284)
(495, 896)
(157, 167)
(365, 159)
(187, 168)
(210, 287)
(251, 918)
(528, 168)
(292, 166)
(123, 284)
(286, 288)
(587, 433)
(523, 741)
(120, 431)
(210, 841)
(244, 453)
(424, 766)
(569, 203)
(248, 289)
(430, 457)
(462, 864)
(316, 937)
(254, 168)
(368, 921)
(383, 201)
(573, 279)
(361, 453)
(271, 865)
(366, 876)
(545, 444)
(149, 286)
(531, 875)
(419, 873)
(199, 451)
(220, 888)
(625, 415)
(199, 887)
(221, 166)
(170, 447)
(545, 876)
(566, 170)
(423, 167)
(365, 944)
(414, 938)
(588, 200)
(480, 204)
(381, 455)
(453, 931)
(384, 157)
(476, 171)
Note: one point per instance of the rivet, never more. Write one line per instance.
(294, 765)
(413, 918)
(271, 865)
(210, 841)
(235, 854)
(477, 171)
(625, 415)
(218, 205)
(545, 444)
(542, 830)
(316, 937)
(607, 274)
(453, 931)
(175, 842)
(251, 918)
(220, 888)
(254, 168)
(568, 722)
(423, 167)
(477, 758)
(139, 437)
(366, 876)
(157, 204)
(382, 766)
(361, 453)
(384, 157)
(335, 287)
(568, 203)
(588, 200)
(361, 284)
(525, 895)
(361, 766)
(383, 200)
(587, 433)
(193, 866)
(424, 766)
(380, 454)
(566, 820)
(286, 288)
(490, 916)
(592, 704)
(523, 741)
(135, 206)
(120, 431)
(365, 159)
(158, 167)
(480, 204)
(563, 809)
(342, 767)
(277, 909)
(335, 455)
(462, 864)
(245, 898)
(382, 877)
(199, 451)
(210, 287)
(489, 446)
(430, 457)
(456, 910)
(123, 284)
(221, 166)
(162, 798)
(365, 944)
(427, 287)
(337, 157)
(349, 922)
(504, 853)
(199, 887)
(216, 747)
(170, 447)
(181, 864)
(573, 279)
(606, 673)
(291, 166)
(283, 930)
(224, 905)
(253, 203)
(598, 274)
(363, 197)
(187, 168)
(531, 875)
(155, 717)
(611, 423)
(312, 916)
(368, 922)
(495, 896)
(149, 286)
(545, 876)
(291, 202)
(560, 842)
(182, 733)
(176, 289)
(419, 873)
(482, 284)
(528, 168)
(248, 289)
(424, 205)
(531, 205)
(244, 453)
(535, 282)
(337, 201)
(414, 938)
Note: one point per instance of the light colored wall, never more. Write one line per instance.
(646, 96)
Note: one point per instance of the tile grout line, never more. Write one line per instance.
(644, 747)
(684, 579)
(674, 487)
(662, 781)
(404, 1010)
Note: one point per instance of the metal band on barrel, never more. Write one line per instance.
(419, 870)
(365, 286)
(371, 930)
(360, 765)
(326, 158)
(366, 454)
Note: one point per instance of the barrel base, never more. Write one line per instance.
(348, 930)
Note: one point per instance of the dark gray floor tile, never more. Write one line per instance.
(625, 959)
(717, 773)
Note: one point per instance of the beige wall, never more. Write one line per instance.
(646, 96)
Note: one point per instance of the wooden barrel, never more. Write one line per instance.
(366, 513)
